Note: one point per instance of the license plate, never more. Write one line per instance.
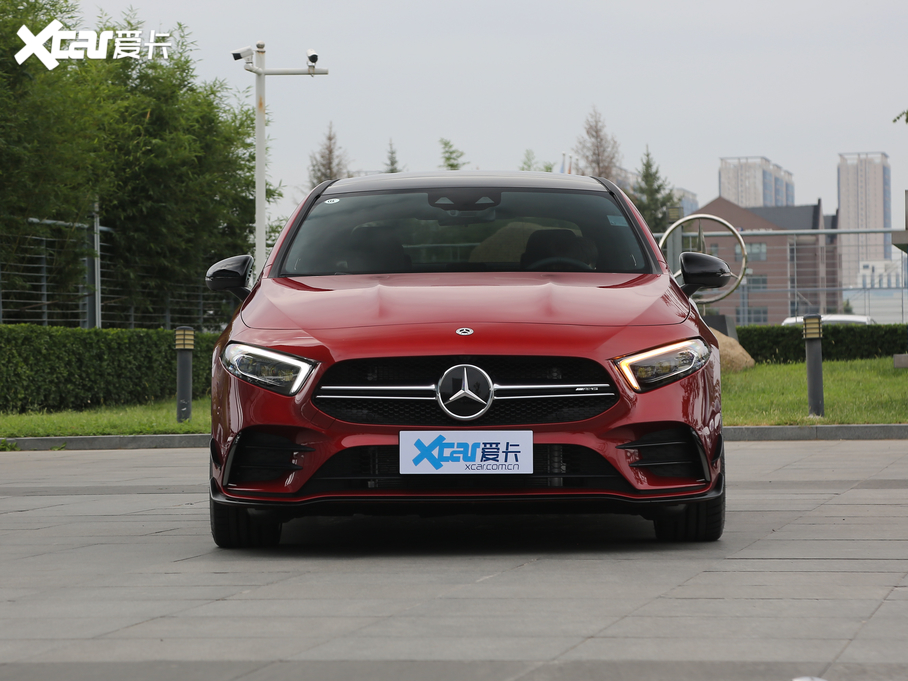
(466, 452)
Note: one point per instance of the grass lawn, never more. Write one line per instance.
(144, 419)
(859, 391)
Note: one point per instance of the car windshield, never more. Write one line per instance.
(463, 229)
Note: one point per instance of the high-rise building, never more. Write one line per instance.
(865, 203)
(687, 200)
(753, 181)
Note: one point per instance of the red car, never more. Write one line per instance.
(466, 342)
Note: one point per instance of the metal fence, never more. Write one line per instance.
(52, 281)
(796, 272)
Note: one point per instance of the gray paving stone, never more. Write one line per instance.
(395, 670)
(819, 565)
(831, 549)
(758, 607)
(310, 607)
(489, 626)
(108, 568)
(243, 627)
(523, 607)
(659, 670)
(866, 672)
(875, 651)
(706, 649)
(504, 648)
(720, 628)
(134, 671)
(816, 591)
(179, 649)
(793, 578)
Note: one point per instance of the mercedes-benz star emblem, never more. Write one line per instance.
(465, 392)
(465, 331)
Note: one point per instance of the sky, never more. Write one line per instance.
(796, 81)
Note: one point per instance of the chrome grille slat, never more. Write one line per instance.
(414, 388)
(372, 397)
(536, 397)
(525, 390)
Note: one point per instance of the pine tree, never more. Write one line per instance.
(450, 157)
(391, 164)
(329, 162)
(653, 195)
(529, 161)
(596, 150)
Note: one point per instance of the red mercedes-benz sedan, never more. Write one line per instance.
(466, 342)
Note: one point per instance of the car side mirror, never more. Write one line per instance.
(231, 275)
(703, 271)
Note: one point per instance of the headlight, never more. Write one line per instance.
(275, 371)
(663, 365)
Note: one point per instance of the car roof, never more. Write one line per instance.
(464, 178)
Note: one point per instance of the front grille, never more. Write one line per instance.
(378, 468)
(528, 390)
(262, 457)
(670, 453)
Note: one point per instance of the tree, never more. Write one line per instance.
(50, 121)
(529, 161)
(169, 159)
(330, 162)
(596, 150)
(450, 157)
(391, 164)
(653, 195)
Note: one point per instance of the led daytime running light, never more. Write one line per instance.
(669, 368)
(275, 371)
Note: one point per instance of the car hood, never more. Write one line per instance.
(351, 301)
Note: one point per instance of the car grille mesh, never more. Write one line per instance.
(378, 468)
(401, 390)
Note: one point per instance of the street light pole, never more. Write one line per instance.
(255, 63)
(261, 152)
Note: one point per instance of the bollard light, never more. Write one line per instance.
(813, 326)
(185, 338)
(813, 349)
(185, 343)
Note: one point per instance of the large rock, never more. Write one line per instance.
(732, 356)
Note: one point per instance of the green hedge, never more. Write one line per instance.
(781, 344)
(54, 368)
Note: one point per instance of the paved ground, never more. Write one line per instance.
(107, 571)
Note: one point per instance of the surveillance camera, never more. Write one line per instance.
(245, 53)
(312, 56)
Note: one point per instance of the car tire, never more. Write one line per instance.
(233, 528)
(702, 521)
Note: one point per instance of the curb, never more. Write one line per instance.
(112, 442)
(872, 431)
(886, 431)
